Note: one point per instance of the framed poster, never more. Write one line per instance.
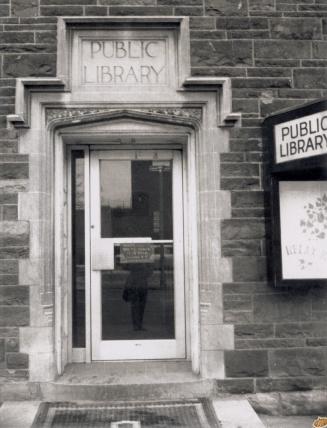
(302, 230)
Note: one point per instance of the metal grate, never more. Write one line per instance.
(177, 414)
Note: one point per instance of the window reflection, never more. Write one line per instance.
(136, 199)
(78, 249)
(138, 295)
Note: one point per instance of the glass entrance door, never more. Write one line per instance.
(137, 281)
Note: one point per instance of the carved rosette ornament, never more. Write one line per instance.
(67, 114)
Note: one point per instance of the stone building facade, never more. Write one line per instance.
(253, 337)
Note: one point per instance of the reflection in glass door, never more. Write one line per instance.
(137, 284)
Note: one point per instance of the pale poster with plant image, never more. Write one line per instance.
(303, 220)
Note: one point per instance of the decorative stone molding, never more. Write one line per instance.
(224, 97)
(25, 88)
(63, 114)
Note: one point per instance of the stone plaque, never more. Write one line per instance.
(122, 59)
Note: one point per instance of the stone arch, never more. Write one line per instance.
(180, 116)
(62, 123)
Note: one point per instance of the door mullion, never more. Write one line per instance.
(87, 255)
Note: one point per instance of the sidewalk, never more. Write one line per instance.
(18, 414)
(287, 421)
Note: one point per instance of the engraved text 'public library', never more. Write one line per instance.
(124, 62)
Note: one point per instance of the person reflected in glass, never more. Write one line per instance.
(136, 292)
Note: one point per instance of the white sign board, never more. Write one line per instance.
(303, 222)
(301, 138)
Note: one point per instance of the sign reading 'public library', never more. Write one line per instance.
(130, 61)
(301, 138)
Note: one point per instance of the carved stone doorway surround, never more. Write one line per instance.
(48, 111)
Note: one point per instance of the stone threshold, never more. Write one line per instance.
(128, 373)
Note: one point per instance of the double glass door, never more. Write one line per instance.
(136, 269)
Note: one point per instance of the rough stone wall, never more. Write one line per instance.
(275, 51)
(14, 244)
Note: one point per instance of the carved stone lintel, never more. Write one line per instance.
(55, 114)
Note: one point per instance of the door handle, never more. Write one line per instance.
(103, 257)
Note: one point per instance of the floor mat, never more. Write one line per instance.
(177, 414)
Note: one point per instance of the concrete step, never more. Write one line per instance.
(116, 382)
(138, 380)
(154, 391)
(54, 391)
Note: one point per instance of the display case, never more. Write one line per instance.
(297, 141)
